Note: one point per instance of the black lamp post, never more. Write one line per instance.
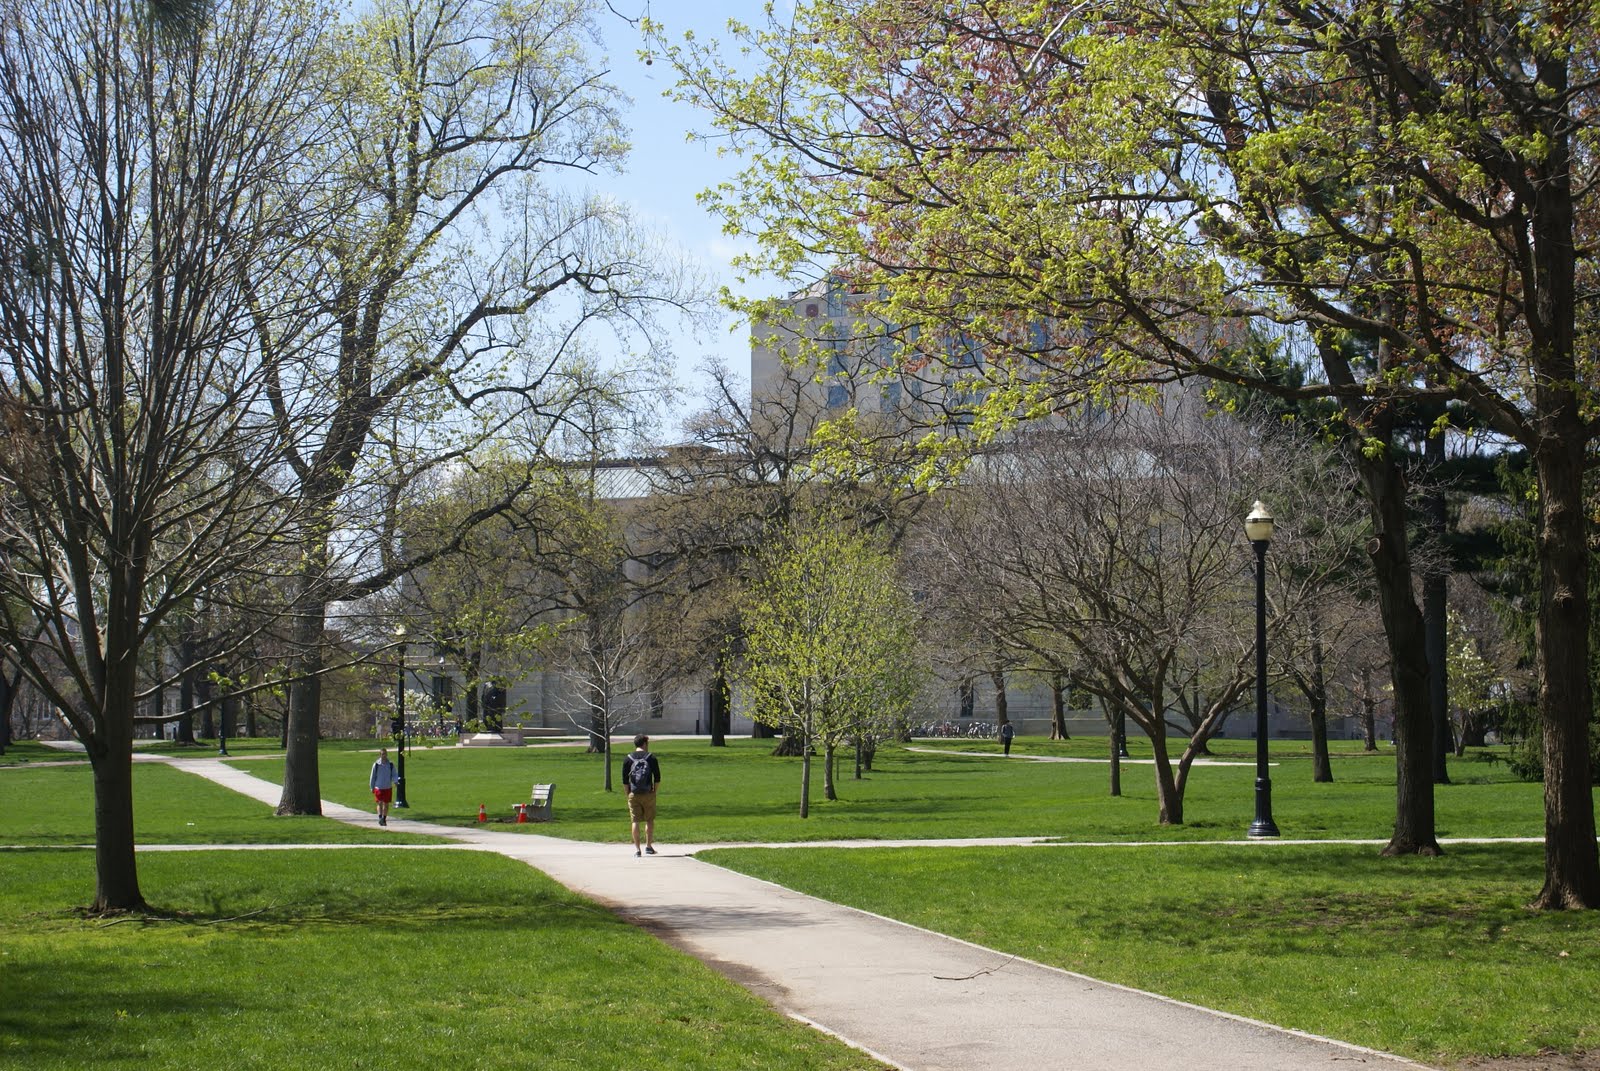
(400, 722)
(440, 683)
(1258, 529)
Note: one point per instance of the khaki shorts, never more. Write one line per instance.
(642, 806)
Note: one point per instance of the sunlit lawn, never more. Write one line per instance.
(742, 793)
(1432, 958)
(373, 959)
(54, 805)
(1435, 958)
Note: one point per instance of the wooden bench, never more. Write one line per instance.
(542, 802)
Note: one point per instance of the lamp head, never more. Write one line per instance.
(1258, 526)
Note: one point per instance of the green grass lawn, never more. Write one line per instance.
(54, 806)
(741, 793)
(384, 959)
(1436, 958)
(1431, 958)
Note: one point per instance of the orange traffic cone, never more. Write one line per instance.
(483, 815)
(522, 812)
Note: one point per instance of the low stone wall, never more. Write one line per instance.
(505, 738)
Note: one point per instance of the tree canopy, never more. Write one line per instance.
(1110, 194)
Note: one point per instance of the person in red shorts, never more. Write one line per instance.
(382, 784)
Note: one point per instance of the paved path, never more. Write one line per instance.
(913, 999)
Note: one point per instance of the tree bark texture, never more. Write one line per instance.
(110, 749)
(1572, 863)
(1321, 761)
(1058, 709)
(1435, 592)
(302, 785)
(1414, 830)
(1169, 796)
(1116, 761)
(719, 710)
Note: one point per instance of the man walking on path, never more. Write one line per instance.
(641, 773)
(382, 784)
(1006, 733)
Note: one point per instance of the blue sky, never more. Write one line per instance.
(665, 170)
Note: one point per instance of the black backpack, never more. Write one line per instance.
(639, 777)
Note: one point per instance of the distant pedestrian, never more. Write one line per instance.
(642, 773)
(1006, 733)
(382, 784)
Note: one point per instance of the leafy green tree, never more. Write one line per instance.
(1107, 194)
(830, 649)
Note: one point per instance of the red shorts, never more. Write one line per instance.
(383, 795)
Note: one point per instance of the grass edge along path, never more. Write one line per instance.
(1436, 960)
(285, 960)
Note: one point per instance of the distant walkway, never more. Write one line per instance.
(1201, 761)
(916, 1000)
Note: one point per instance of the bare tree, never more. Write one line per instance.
(751, 473)
(1119, 549)
(454, 286)
(145, 175)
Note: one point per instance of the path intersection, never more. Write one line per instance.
(913, 999)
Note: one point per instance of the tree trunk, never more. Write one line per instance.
(110, 750)
(1572, 862)
(1001, 706)
(1472, 734)
(302, 784)
(791, 745)
(1321, 762)
(1369, 712)
(1058, 708)
(720, 711)
(228, 716)
(805, 773)
(1169, 797)
(10, 684)
(829, 754)
(1116, 760)
(1435, 591)
(186, 658)
(1414, 832)
(205, 695)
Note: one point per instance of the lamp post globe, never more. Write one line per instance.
(400, 722)
(1258, 529)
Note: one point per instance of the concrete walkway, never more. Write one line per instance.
(913, 999)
